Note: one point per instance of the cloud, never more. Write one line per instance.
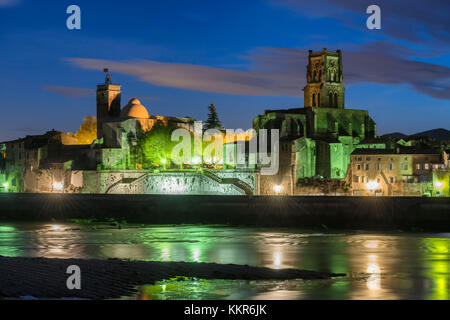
(7, 3)
(199, 78)
(70, 92)
(417, 21)
(281, 71)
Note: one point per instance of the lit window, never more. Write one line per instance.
(426, 166)
(404, 166)
(391, 166)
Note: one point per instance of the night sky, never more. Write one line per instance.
(178, 57)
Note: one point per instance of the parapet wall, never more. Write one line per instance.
(357, 213)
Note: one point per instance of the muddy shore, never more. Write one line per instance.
(107, 279)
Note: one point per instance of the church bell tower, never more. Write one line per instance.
(324, 88)
(108, 102)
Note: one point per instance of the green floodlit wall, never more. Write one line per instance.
(305, 158)
(326, 137)
(221, 182)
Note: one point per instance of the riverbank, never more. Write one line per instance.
(106, 279)
(352, 213)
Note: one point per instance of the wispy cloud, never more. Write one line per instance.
(281, 71)
(70, 92)
(199, 78)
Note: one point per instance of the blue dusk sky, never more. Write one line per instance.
(179, 56)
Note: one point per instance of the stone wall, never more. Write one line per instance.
(357, 213)
(170, 182)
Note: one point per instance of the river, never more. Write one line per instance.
(384, 265)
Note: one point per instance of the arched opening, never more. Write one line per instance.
(320, 75)
(330, 99)
(314, 76)
(335, 104)
(314, 99)
(318, 99)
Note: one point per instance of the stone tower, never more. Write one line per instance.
(324, 88)
(108, 103)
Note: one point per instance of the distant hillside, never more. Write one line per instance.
(438, 134)
(396, 135)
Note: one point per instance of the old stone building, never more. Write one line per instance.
(319, 137)
(397, 172)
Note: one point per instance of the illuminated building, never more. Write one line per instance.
(320, 152)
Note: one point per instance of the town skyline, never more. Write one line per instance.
(397, 74)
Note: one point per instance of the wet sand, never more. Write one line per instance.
(107, 279)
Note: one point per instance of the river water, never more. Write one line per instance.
(378, 265)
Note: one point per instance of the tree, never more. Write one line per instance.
(213, 121)
(87, 132)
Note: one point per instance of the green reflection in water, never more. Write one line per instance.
(9, 239)
(438, 267)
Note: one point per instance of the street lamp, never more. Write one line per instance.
(439, 185)
(277, 189)
(372, 186)
(6, 186)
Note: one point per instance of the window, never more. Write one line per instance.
(358, 167)
(379, 159)
(314, 99)
(359, 159)
(391, 180)
(378, 166)
(357, 179)
(436, 166)
(426, 166)
(404, 166)
(368, 158)
(418, 166)
(378, 180)
(391, 166)
(366, 166)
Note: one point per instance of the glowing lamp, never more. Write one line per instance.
(196, 160)
(277, 189)
(372, 185)
(58, 186)
(163, 161)
(6, 186)
(438, 184)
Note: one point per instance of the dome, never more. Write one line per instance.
(134, 109)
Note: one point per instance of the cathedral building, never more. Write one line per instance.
(317, 140)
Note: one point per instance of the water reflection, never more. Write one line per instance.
(374, 280)
(379, 266)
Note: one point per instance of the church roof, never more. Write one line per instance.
(134, 109)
